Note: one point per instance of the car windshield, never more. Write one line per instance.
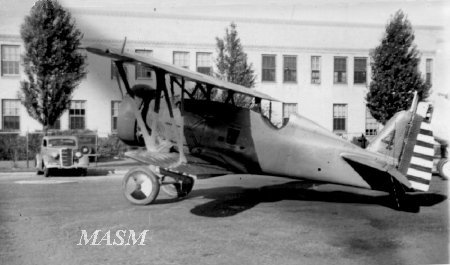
(61, 142)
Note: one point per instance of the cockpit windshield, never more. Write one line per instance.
(61, 142)
(274, 113)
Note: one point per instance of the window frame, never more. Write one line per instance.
(336, 78)
(139, 68)
(340, 117)
(114, 70)
(14, 62)
(274, 68)
(210, 61)
(365, 71)
(113, 116)
(83, 102)
(319, 63)
(429, 71)
(285, 68)
(17, 109)
(370, 120)
(187, 58)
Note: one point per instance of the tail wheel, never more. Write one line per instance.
(140, 186)
(178, 190)
(443, 168)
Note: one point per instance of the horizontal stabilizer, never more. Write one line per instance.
(377, 173)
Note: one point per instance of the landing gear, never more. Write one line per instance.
(141, 185)
(177, 188)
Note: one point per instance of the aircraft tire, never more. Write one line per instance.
(140, 186)
(443, 167)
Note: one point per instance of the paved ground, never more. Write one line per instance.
(229, 220)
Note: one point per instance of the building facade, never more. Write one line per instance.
(320, 69)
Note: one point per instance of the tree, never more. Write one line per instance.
(52, 64)
(395, 74)
(231, 61)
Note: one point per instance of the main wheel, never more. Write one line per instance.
(140, 185)
(443, 168)
(178, 190)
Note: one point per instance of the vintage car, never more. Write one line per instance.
(61, 152)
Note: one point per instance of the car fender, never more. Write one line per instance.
(83, 161)
(39, 161)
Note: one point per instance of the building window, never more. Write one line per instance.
(371, 124)
(11, 114)
(429, 70)
(360, 75)
(290, 68)
(268, 68)
(315, 69)
(181, 59)
(143, 72)
(340, 70)
(10, 59)
(114, 114)
(339, 117)
(115, 72)
(56, 125)
(77, 114)
(204, 63)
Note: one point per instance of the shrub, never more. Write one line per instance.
(111, 146)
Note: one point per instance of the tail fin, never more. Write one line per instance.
(408, 139)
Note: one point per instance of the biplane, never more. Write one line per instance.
(190, 126)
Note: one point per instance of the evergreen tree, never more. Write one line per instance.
(52, 64)
(395, 74)
(231, 62)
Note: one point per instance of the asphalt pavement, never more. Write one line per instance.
(235, 219)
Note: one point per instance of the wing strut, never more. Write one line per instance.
(137, 113)
(177, 120)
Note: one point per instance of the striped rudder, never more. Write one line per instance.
(417, 157)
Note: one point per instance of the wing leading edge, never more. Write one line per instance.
(175, 70)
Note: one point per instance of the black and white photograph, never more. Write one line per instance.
(204, 132)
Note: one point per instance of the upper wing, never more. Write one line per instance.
(175, 70)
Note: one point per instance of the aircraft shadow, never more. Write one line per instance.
(229, 201)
